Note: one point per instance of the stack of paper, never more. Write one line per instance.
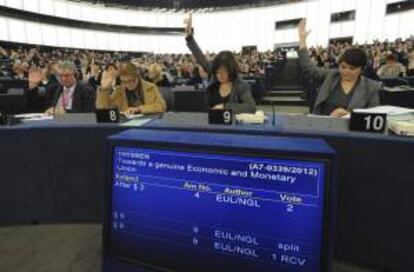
(389, 110)
(402, 127)
(33, 117)
(248, 118)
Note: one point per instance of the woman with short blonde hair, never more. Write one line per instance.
(133, 95)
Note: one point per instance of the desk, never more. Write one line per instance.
(53, 174)
(58, 248)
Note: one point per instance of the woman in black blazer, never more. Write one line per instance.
(226, 89)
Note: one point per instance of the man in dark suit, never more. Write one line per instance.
(68, 95)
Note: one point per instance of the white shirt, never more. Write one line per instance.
(66, 97)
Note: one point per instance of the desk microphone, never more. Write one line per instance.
(3, 118)
(274, 114)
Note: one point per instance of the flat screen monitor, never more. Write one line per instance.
(218, 202)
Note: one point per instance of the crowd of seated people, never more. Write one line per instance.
(39, 65)
(222, 74)
(176, 68)
(385, 59)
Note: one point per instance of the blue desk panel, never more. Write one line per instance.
(53, 174)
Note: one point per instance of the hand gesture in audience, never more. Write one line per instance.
(35, 77)
(189, 25)
(107, 80)
(31, 54)
(95, 70)
(3, 51)
(303, 33)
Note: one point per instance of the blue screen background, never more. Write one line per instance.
(182, 220)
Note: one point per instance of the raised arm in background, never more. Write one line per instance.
(304, 59)
(193, 46)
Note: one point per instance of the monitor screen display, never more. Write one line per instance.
(188, 211)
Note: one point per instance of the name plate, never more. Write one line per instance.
(107, 116)
(368, 122)
(220, 117)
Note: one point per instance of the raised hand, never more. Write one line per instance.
(95, 70)
(303, 33)
(107, 80)
(35, 77)
(3, 51)
(188, 22)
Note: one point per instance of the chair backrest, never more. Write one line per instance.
(7, 83)
(189, 100)
(257, 87)
(410, 81)
(166, 94)
(393, 82)
(13, 101)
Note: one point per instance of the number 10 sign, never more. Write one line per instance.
(368, 122)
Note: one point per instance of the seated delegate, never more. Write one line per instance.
(68, 95)
(226, 89)
(134, 95)
(343, 89)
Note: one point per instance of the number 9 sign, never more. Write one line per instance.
(220, 117)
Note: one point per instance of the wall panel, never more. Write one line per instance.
(46, 7)
(220, 30)
(17, 31)
(50, 35)
(30, 5)
(33, 33)
(4, 29)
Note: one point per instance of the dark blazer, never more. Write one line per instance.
(83, 99)
(366, 92)
(241, 100)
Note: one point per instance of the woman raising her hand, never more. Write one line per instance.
(343, 89)
(226, 89)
